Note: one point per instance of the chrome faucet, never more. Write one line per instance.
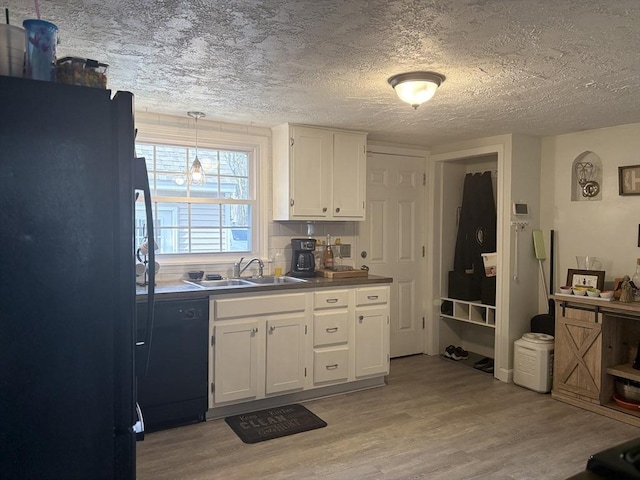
(237, 271)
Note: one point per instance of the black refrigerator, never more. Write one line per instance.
(67, 282)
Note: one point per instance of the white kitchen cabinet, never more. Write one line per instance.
(285, 354)
(318, 173)
(266, 347)
(372, 331)
(331, 348)
(258, 346)
(236, 360)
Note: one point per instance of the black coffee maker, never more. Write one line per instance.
(303, 263)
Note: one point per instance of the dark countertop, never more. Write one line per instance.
(180, 289)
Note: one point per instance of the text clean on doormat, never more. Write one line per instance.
(271, 423)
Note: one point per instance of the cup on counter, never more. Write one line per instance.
(41, 45)
(140, 269)
(12, 46)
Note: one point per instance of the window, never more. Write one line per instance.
(217, 217)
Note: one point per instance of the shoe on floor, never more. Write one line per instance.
(488, 368)
(449, 351)
(460, 354)
(482, 363)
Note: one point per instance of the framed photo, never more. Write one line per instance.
(586, 278)
(629, 180)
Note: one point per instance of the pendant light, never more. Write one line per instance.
(196, 172)
(415, 88)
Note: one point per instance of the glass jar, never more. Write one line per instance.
(636, 282)
(81, 71)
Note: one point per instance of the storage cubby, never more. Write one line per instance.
(469, 324)
(472, 312)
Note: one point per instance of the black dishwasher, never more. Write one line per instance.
(174, 389)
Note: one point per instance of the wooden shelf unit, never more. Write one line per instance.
(624, 370)
(606, 337)
(471, 312)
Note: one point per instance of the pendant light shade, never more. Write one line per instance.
(415, 88)
(196, 172)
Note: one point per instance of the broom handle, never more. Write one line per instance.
(544, 282)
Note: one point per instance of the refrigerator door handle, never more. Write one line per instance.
(142, 183)
(138, 427)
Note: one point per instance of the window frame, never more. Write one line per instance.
(167, 130)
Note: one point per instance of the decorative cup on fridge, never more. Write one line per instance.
(41, 44)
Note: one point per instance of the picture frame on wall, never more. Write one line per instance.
(586, 278)
(629, 180)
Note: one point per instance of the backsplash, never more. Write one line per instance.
(281, 233)
(279, 251)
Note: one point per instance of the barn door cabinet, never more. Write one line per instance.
(595, 343)
(318, 173)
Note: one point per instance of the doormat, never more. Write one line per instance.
(277, 422)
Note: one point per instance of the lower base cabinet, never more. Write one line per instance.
(285, 355)
(372, 331)
(595, 344)
(236, 361)
(269, 345)
(578, 353)
(372, 341)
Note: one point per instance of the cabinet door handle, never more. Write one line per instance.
(372, 297)
(291, 202)
(272, 328)
(324, 209)
(331, 300)
(254, 330)
(361, 318)
(332, 330)
(332, 367)
(338, 210)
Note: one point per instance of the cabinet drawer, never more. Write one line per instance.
(330, 299)
(259, 305)
(330, 328)
(330, 365)
(371, 296)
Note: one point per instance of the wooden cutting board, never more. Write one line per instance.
(321, 272)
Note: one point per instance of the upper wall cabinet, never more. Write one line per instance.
(318, 173)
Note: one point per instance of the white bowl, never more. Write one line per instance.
(606, 294)
(593, 292)
(579, 291)
(565, 290)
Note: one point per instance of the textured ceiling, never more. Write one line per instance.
(533, 67)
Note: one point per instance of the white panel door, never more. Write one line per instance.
(285, 354)
(311, 158)
(236, 360)
(372, 341)
(349, 174)
(393, 237)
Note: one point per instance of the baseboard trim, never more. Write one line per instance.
(295, 397)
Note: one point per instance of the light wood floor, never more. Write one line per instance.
(434, 420)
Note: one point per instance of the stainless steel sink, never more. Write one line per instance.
(271, 280)
(224, 283)
(243, 282)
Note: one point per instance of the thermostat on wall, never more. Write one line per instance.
(520, 208)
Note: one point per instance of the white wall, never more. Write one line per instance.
(607, 228)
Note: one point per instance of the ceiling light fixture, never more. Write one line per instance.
(196, 173)
(415, 88)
